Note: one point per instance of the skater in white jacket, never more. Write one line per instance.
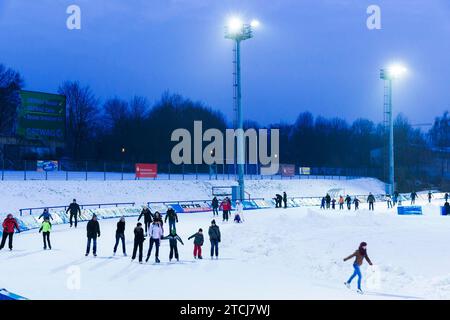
(156, 234)
(239, 215)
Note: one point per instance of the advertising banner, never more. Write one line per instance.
(409, 210)
(47, 166)
(287, 170)
(41, 116)
(146, 170)
(304, 170)
(191, 207)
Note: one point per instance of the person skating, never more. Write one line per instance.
(173, 218)
(285, 199)
(371, 200)
(156, 234)
(322, 203)
(75, 212)
(239, 215)
(158, 218)
(413, 197)
(173, 238)
(226, 207)
(120, 236)
(389, 201)
(9, 224)
(333, 204)
(341, 203)
(198, 243)
(215, 206)
(45, 215)
(446, 208)
(356, 202)
(359, 255)
(328, 200)
(93, 231)
(395, 198)
(147, 214)
(430, 195)
(46, 228)
(214, 238)
(278, 200)
(446, 197)
(139, 239)
(348, 200)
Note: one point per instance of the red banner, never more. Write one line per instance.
(146, 170)
(287, 170)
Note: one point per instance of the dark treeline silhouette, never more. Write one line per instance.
(135, 130)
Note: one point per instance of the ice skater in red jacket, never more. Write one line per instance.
(226, 208)
(9, 224)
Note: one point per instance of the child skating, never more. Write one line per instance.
(359, 255)
(173, 238)
(198, 243)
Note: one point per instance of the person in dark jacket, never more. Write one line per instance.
(328, 200)
(173, 218)
(215, 206)
(139, 239)
(446, 208)
(371, 200)
(75, 212)
(46, 215)
(430, 196)
(413, 197)
(147, 214)
(333, 204)
(356, 202)
(120, 236)
(285, 199)
(214, 238)
(198, 243)
(278, 199)
(93, 231)
(173, 238)
(322, 203)
(446, 197)
(359, 256)
(9, 224)
(348, 201)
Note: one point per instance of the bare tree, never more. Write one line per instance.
(10, 84)
(82, 114)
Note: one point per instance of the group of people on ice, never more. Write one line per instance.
(330, 203)
(226, 207)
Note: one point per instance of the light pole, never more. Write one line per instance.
(238, 31)
(388, 75)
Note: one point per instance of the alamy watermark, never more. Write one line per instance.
(73, 21)
(237, 146)
(373, 22)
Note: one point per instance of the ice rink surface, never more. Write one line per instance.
(275, 254)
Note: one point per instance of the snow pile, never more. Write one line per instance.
(16, 195)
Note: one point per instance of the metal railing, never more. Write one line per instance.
(82, 206)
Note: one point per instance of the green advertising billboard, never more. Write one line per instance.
(41, 116)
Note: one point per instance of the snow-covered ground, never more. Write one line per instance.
(276, 254)
(15, 195)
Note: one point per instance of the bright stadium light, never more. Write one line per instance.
(255, 23)
(238, 31)
(390, 74)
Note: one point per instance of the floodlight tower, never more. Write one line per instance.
(238, 31)
(388, 75)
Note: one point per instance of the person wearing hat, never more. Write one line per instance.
(75, 211)
(173, 238)
(46, 215)
(172, 216)
(46, 228)
(138, 241)
(9, 224)
(147, 214)
(214, 238)
(120, 236)
(93, 231)
(359, 256)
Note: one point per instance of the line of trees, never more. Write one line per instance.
(99, 130)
